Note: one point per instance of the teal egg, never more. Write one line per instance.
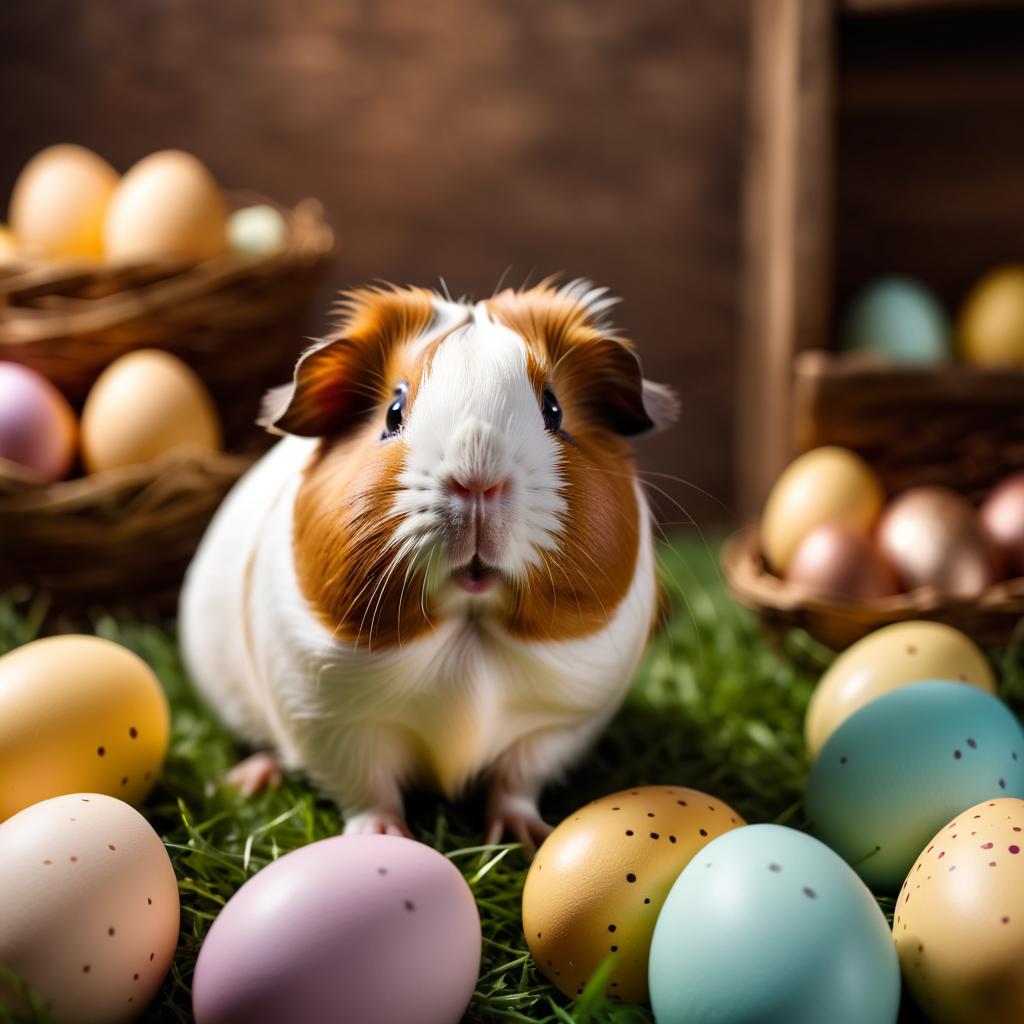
(905, 764)
(766, 925)
(899, 319)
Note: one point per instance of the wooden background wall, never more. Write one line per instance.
(452, 137)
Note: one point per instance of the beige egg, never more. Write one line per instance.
(78, 712)
(596, 886)
(891, 657)
(825, 485)
(90, 907)
(60, 201)
(143, 405)
(167, 207)
(8, 246)
(959, 918)
(991, 326)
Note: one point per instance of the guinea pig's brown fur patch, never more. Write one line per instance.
(344, 565)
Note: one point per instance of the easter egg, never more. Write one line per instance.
(167, 207)
(598, 882)
(824, 485)
(78, 713)
(899, 319)
(59, 203)
(905, 652)
(90, 910)
(257, 230)
(933, 538)
(991, 326)
(8, 245)
(768, 926)
(142, 406)
(959, 918)
(38, 430)
(357, 928)
(838, 562)
(904, 764)
(1002, 518)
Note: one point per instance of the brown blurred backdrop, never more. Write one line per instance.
(453, 138)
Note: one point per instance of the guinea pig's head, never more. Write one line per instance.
(474, 462)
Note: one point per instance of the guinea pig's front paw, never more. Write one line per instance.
(518, 816)
(378, 823)
(258, 772)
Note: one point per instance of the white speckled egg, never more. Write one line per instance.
(959, 920)
(89, 908)
(905, 652)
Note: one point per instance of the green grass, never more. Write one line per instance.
(714, 707)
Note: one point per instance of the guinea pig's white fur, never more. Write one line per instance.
(460, 701)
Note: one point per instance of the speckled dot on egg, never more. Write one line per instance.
(958, 948)
(606, 870)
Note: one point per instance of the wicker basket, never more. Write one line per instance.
(959, 426)
(124, 538)
(237, 319)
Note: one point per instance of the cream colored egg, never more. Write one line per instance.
(90, 907)
(825, 485)
(991, 326)
(143, 405)
(959, 918)
(76, 713)
(60, 201)
(905, 652)
(167, 207)
(257, 230)
(596, 886)
(8, 246)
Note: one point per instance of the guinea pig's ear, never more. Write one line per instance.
(615, 392)
(321, 399)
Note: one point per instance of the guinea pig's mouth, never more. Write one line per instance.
(476, 576)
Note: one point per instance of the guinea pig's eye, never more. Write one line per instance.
(551, 410)
(393, 420)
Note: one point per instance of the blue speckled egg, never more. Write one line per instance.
(900, 319)
(768, 926)
(906, 763)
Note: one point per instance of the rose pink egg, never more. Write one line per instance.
(837, 561)
(1002, 516)
(354, 928)
(38, 430)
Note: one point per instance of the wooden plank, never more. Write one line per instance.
(788, 224)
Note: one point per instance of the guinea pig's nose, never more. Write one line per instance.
(474, 487)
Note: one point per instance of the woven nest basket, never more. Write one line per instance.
(959, 426)
(123, 538)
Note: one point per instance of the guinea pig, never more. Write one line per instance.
(444, 573)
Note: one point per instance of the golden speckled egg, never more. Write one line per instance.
(825, 485)
(167, 207)
(78, 713)
(991, 326)
(905, 652)
(90, 907)
(959, 919)
(143, 405)
(597, 884)
(59, 202)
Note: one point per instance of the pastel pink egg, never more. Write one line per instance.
(352, 928)
(38, 430)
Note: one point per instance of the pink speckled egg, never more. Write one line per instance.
(352, 928)
(38, 430)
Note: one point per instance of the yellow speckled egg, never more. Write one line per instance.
(597, 884)
(167, 207)
(959, 918)
(825, 485)
(59, 202)
(991, 327)
(90, 907)
(78, 713)
(905, 652)
(143, 405)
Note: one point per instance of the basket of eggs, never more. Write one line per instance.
(141, 318)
